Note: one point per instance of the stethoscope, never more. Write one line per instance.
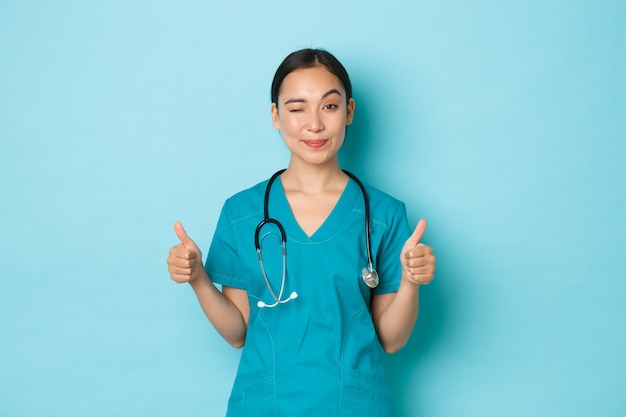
(370, 276)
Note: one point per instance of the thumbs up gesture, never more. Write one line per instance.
(185, 259)
(417, 259)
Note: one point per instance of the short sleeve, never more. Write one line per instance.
(222, 262)
(388, 256)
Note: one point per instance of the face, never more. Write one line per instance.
(312, 114)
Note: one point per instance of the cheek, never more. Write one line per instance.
(290, 124)
(338, 121)
(339, 126)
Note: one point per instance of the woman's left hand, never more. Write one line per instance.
(418, 261)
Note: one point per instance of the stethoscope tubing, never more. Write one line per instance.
(283, 238)
(366, 200)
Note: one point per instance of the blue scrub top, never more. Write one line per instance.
(317, 354)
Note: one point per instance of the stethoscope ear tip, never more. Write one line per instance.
(292, 296)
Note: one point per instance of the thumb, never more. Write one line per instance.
(417, 235)
(182, 235)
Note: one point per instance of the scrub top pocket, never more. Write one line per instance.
(364, 395)
(254, 393)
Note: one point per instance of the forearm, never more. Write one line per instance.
(396, 321)
(221, 312)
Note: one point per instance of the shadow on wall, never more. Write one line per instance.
(357, 148)
(403, 367)
(359, 155)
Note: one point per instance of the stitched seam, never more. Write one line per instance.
(260, 317)
(343, 344)
(247, 217)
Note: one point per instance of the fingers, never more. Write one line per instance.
(182, 235)
(180, 251)
(180, 274)
(183, 264)
(417, 261)
(420, 279)
(417, 233)
(415, 238)
(184, 259)
(422, 268)
(420, 276)
(419, 251)
(418, 264)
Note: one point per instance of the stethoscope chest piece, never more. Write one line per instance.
(370, 277)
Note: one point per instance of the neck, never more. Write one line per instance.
(313, 178)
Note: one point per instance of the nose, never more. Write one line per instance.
(315, 123)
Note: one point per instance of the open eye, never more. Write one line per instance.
(331, 106)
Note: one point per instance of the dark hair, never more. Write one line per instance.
(309, 58)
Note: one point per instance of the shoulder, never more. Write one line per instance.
(378, 196)
(382, 203)
(387, 213)
(246, 203)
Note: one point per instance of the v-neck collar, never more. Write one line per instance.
(329, 227)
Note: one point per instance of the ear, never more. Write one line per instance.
(350, 111)
(275, 117)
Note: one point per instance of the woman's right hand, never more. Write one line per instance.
(227, 311)
(185, 259)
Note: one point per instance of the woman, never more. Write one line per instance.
(308, 321)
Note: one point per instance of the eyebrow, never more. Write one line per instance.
(301, 100)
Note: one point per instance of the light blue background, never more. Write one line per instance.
(502, 123)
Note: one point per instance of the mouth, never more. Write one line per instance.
(317, 143)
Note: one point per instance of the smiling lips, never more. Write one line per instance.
(315, 143)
